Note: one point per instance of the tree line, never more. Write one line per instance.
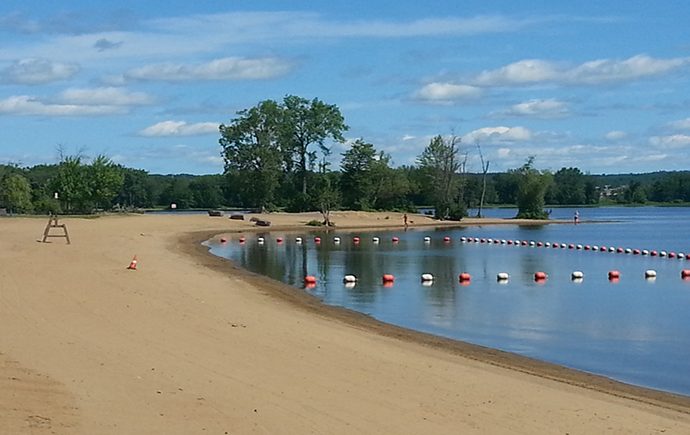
(278, 157)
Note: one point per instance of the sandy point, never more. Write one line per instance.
(189, 343)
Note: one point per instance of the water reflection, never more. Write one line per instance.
(635, 330)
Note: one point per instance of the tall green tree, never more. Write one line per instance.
(105, 180)
(252, 153)
(15, 193)
(306, 123)
(357, 181)
(532, 186)
(443, 167)
(71, 183)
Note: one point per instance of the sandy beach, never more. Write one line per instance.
(190, 344)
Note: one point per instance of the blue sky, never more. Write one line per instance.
(604, 86)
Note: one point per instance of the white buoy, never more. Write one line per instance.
(645, 252)
(595, 248)
(375, 239)
(503, 241)
(489, 240)
(578, 246)
(427, 239)
(463, 239)
(628, 251)
(612, 249)
(260, 240)
(502, 276)
(650, 273)
(547, 244)
(298, 240)
(662, 254)
(427, 277)
(563, 245)
(532, 243)
(349, 278)
(336, 240)
(681, 256)
(577, 275)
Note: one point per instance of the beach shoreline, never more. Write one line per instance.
(193, 244)
(191, 343)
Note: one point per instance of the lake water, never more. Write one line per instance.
(635, 330)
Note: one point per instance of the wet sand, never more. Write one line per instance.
(190, 343)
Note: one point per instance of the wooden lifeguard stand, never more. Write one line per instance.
(53, 223)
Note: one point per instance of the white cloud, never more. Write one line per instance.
(550, 108)
(615, 135)
(109, 96)
(527, 71)
(35, 71)
(608, 70)
(229, 68)
(26, 105)
(602, 71)
(682, 124)
(675, 141)
(447, 92)
(180, 128)
(497, 135)
(408, 137)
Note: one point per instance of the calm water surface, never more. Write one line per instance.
(635, 330)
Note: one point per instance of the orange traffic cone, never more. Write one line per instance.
(133, 264)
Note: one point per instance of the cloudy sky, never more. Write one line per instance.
(604, 86)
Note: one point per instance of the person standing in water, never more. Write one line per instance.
(576, 217)
(405, 219)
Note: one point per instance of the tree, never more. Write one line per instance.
(137, 189)
(326, 194)
(252, 153)
(442, 166)
(485, 170)
(357, 181)
(105, 180)
(206, 191)
(306, 123)
(532, 186)
(72, 185)
(177, 192)
(15, 193)
(569, 186)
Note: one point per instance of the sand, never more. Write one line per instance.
(189, 343)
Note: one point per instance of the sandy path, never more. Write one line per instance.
(89, 347)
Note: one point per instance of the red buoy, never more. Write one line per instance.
(464, 277)
(539, 276)
(653, 253)
(310, 279)
(317, 239)
(279, 239)
(395, 239)
(355, 239)
(614, 275)
(620, 250)
(446, 239)
(685, 273)
(671, 255)
(387, 277)
(223, 240)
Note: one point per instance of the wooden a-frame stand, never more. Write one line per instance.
(53, 223)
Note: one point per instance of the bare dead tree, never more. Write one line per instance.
(485, 170)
